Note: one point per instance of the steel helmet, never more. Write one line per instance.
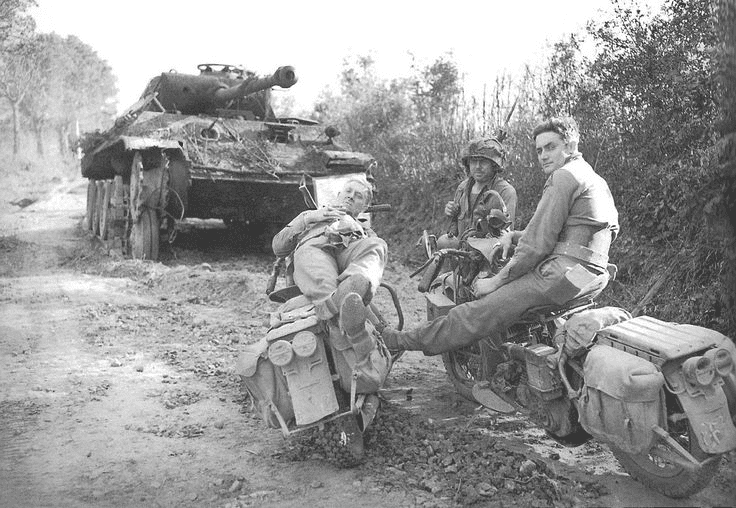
(486, 148)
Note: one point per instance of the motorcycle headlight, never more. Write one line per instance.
(721, 359)
(699, 370)
(280, 353)
(304, 344)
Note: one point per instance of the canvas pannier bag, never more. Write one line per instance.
(622, 399)
(265, 383)
(371, 370)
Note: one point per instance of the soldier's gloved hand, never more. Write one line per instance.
(452, 209)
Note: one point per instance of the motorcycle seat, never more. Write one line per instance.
(284, 294)
(549, 312)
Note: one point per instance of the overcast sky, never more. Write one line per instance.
(142, 38)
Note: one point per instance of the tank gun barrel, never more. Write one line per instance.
(284, 77)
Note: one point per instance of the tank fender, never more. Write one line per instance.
(140, 143)
(706, 404)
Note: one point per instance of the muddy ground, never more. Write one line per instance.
(118, 390)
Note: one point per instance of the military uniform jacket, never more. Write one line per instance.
(573, 195)
(486, 199)
(297, 232)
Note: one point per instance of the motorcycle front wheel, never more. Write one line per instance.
(672, 480)
(342, 442)
(467, 366)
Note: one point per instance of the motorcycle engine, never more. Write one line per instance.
(539, 387)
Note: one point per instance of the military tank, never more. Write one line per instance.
(209, 146)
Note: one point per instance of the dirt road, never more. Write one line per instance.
(117, 390)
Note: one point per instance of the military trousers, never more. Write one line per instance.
(319, 266)
(555, 281)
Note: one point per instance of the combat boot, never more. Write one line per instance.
(391, 339)
(354, 284)
(353, 314)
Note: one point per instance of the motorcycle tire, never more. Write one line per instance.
(466, 367)
(342, 442)
(669, 479)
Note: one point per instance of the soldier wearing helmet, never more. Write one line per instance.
(483, 189)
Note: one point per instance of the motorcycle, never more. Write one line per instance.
(661, 395)
(304, 373)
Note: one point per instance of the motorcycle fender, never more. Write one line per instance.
(710, 420)
(310, 385)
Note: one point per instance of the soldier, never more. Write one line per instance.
(479, 193)
(561, 255)
(338, 262)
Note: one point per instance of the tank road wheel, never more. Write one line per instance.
(672, 480)
(144, 236)
(118, 204)
(99, 195)
(105, 214)
(144, 221)
(91, 204)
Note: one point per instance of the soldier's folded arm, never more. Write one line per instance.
(284, 242)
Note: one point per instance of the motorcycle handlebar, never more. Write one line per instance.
(385, 207)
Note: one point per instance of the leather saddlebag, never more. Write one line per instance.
(622, 399)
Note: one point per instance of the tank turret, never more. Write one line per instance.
(205, 93)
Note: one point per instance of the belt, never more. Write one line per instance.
(595, 238)
(581, 253)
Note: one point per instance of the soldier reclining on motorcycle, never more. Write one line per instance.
(338, 262)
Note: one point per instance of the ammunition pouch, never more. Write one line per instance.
(622, 400)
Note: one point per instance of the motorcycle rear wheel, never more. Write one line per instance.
(672, 480)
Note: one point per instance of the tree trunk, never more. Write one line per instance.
(16, 128)
(38, 132)
(63, 139)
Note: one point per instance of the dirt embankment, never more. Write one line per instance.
(118, 390)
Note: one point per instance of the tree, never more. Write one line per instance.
(18, 67)
(14, 26)
(89, 87)
(437, 89)
(72, 85)
(659, 72)
(18, 71)
(725, 203)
